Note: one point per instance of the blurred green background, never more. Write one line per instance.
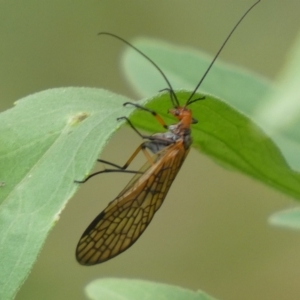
(212, 232)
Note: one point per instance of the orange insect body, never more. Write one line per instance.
(126, 217)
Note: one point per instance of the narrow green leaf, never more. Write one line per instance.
(289, 218)
(47, 140)
(130, 289)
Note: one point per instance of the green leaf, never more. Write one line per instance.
(47, 140)
(289, 218)
(231, 139)
(53, 137)
(224, 133)
(280, 113)
(130, 289)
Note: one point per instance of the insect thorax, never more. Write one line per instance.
(161, 140)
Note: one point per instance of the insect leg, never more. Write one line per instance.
(161, 142)
(156, 142)
(158, 118)
(122, 169)
(141, 147)
(148, 137)
(143, 136)
(105, 171)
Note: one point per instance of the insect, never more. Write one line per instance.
(125, 218)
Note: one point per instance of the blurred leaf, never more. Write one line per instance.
(184, 68)
(280, 113)
(47, 140)
(289, 218)
(130, 289)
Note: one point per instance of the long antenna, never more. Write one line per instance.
(218, 53)
(174, 99)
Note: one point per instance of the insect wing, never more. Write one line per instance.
(125, 218)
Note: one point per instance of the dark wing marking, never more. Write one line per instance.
(125, 218)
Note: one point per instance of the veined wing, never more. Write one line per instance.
(125, 218)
